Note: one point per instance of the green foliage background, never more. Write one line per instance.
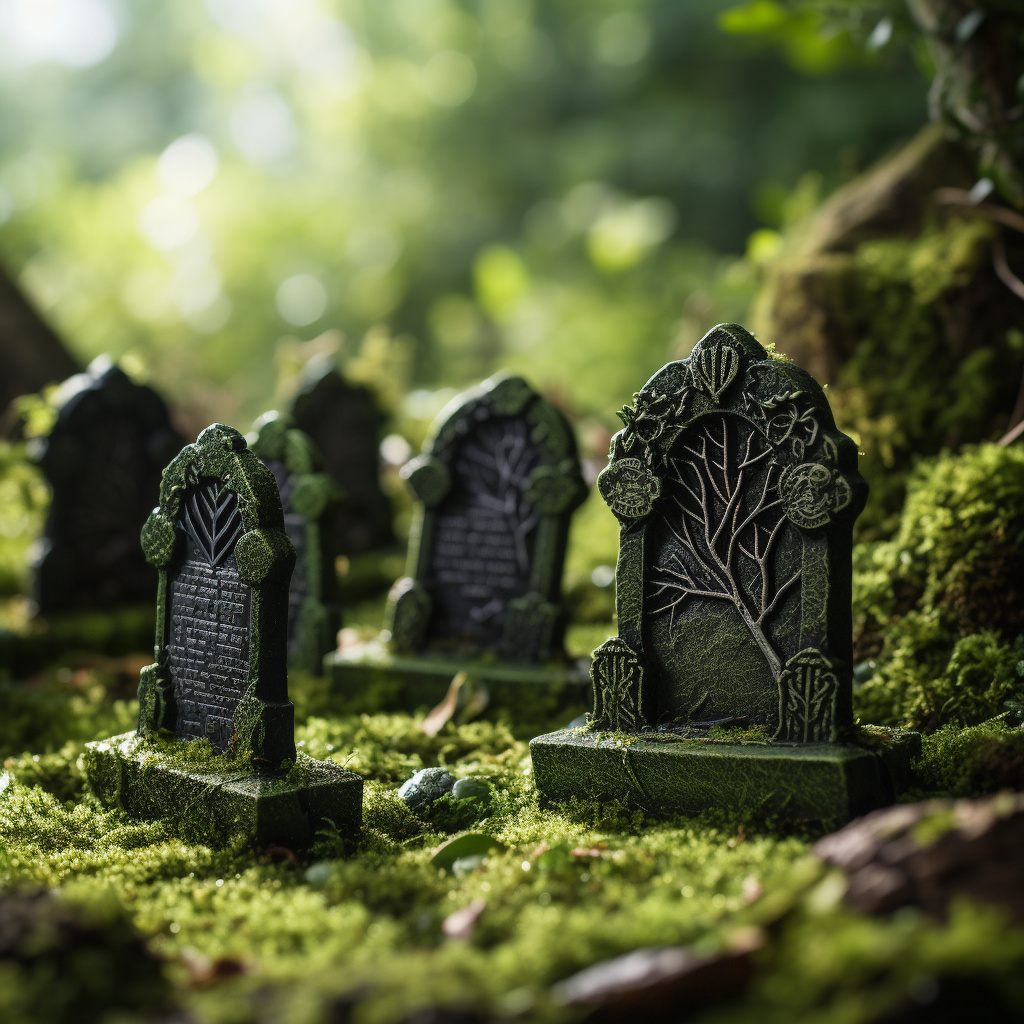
(565, 188)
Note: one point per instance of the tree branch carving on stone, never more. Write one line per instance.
(727, 515)
(494, 466)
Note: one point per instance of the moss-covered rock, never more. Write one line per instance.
(939, 609)
(893, 301)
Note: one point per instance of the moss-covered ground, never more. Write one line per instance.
(324, 936)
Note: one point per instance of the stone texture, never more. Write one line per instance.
(215, 805)
(667, 775)
(930, 853)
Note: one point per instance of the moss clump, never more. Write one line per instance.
(938, 614)
(911, 385)
(958, 761)
(65, 961)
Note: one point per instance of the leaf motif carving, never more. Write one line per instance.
(211, 518)
(715, 368)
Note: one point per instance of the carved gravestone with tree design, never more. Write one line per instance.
(495, 487)
(736, 496)
(309, 497)
(224, 560)
(344, 423)
(103, 460)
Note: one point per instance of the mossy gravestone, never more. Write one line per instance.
(494, 487)
(344, 423)
(309, 497)
(736, 496)
(103, 460)
(217, 539)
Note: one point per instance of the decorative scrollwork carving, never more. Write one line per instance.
(812, 493)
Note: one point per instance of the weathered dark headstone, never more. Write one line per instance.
(218, 541)
(494, 487)
(736, 496)
(344, 422)
(309, 497)
(103, 460)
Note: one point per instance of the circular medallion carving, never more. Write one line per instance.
(811, 493)
(629, 488)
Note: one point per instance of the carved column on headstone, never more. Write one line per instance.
(218, 541)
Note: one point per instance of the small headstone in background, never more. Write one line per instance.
(736, 496)
(309, 497)
(218, 541)
(344, 423)
(103, 461)
(495, 487)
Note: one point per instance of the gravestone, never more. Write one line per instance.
(344, 423)
(736, 496)
(103, 460)
(218, 541)
(494, 490)
(309, 497)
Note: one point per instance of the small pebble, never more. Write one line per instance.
(471, 789)
(426, 786)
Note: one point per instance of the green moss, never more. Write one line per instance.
(959, 761)
(906, 387)
(938, 607)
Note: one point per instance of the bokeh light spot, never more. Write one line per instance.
(168, 221)
(449, 78)
(187, 165)
(301, 299)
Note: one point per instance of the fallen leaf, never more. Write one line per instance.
(460, 924)
(470, 844)
(438, 716)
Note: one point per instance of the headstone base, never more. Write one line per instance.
(668, 775)
(214, 805)
(380, 681)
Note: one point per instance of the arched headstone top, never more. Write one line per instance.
(730, 373)
(221, 453)
(556, 483)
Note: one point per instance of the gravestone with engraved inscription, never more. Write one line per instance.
(103, 460)
(731, 673)
(494, 487)
(224, 560)
(344, 422)
(309, 497)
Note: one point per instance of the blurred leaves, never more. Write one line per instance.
(489, 182)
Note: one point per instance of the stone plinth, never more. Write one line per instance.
(665, 774)
(213, 803)
(383, 681)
